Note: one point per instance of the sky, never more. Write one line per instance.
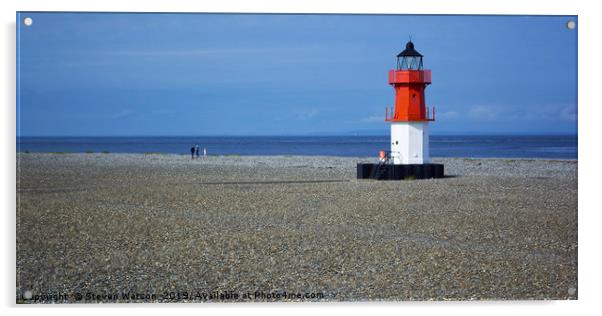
(128, 74)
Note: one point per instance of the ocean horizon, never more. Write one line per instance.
(477, 146)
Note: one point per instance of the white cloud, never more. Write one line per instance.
(373, 119)
(211, 51)
(449, 115)
(552, 112)
(123, 114)
(305, 113)
(556, 112)
(568, 113)
(160, 112)
(501, 113)
(486, 112)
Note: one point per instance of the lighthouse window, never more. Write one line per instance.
(396, 143)
(414, 96)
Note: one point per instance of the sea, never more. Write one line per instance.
(471, 146)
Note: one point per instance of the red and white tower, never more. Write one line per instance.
(410, 117)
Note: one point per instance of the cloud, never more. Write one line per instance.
(123, 114)
(486, 112)
(178, 52)
(556, 112)
(210, 51)
(373, 119)
(551, 112)
(160, 112)
(305, 113)
(569, 113)
(449, 115)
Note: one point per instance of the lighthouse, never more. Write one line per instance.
(410, 117)
(408, 157)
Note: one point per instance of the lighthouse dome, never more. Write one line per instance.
(409, 51)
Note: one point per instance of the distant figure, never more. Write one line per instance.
(204, 152)
(196, 150)
(192, 152)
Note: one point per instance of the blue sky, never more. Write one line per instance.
(83, 74)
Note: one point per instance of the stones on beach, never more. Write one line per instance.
(126, 223)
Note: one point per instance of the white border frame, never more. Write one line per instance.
(589, 130)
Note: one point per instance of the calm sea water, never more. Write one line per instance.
(564, 147)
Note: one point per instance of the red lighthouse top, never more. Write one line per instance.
(409, 81)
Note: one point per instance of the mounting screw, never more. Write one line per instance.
(571, 25)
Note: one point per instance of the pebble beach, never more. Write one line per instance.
(105, 227)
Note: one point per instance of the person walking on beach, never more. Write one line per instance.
(204, 152)
(196, 150)
(192, 152)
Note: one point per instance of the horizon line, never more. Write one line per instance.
(309, 135)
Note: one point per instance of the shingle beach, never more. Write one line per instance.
(153, 227)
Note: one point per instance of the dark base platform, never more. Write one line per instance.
(399, 172)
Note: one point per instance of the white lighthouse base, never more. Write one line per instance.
(409, 143)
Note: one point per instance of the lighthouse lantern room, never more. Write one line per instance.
(409, 119)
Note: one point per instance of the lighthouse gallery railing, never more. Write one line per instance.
(390, 114)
